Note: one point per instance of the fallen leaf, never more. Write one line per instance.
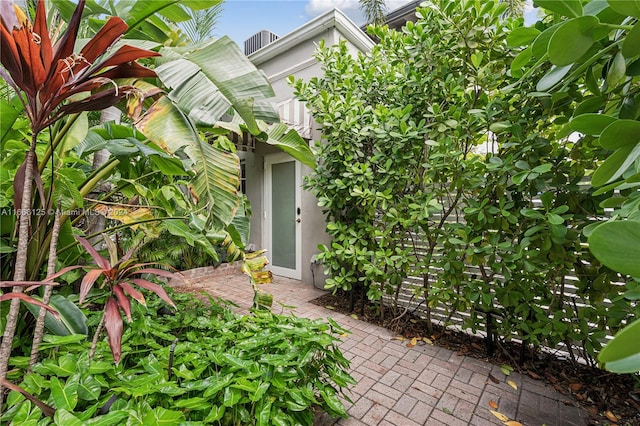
(612, 417)
(436, 336)
(414, 341)
(410, 345)
(575, 387)
(446, 410)
(579, 396)
(512, 423)
(500, 416)
(401, 338)
(427, 341)
(550, 378)
(354, 316)
(512, 384)
(493, 379)
(506, 369)
(330, 307)
(476, 346)
(343, 335)
(534, 375)
(559, 388)
(493, 404)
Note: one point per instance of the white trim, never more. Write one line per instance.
(269, 160)
(331, 19)
(293, 70)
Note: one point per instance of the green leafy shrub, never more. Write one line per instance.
(203, 364)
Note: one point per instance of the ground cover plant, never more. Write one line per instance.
(198, 363)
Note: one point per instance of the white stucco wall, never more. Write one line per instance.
(293, 54)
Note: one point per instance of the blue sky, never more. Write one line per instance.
(240, 19)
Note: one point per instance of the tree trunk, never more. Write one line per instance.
(21, 263)
(96, 222)
(38, 333)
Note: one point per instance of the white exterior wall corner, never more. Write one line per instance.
(293, 54)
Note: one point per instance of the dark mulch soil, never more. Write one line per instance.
(606, 396)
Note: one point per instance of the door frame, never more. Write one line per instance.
(270, 160)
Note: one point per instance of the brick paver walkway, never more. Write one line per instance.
(422, 385)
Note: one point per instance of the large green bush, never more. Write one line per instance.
(433, 166)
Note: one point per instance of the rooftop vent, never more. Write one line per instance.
(258, 41)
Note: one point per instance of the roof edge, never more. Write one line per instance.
(333, 18)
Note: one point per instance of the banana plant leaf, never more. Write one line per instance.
(217, 173)
(207, 80)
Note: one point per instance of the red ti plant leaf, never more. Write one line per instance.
(62, 272)
(87, 282)
(29, 284)
(48, 75)
(113, 325)
(46, 409)
(100, 261)
(30, 300)
(128, 289)
(123, 301)
(158, 272)
(155, 288)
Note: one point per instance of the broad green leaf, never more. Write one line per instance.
(591, 124)
(51, 341)
(552, 77)
(160, 416)
(89, 389)
(522, 36)
(65, 395)
(9, 114)
(167, 166)
(572, 40)
(631, 43)
(500, 127)
(209, 80)
(231, 396)
(614, 166)
(215, 414)
(540, 45)
(521, 60)
(68, 180)
(626, 7)
(195, 403)
(264, 412)
(591, 104)
(76, 133)
(622, 354)
(113, 418)
(64, 418)
(568, 8)
(616, 71)
(71, 321)
(217, 172)
(289, 141)
(616, 245)
(217, 180)
(620, 133)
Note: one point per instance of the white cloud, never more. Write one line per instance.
(317, 7)
(350, 7)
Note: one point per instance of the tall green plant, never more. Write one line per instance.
(44, 78)
(591, 53)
